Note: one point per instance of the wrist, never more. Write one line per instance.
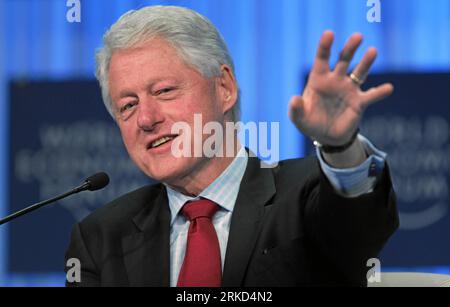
(353, 156)
(337, 148)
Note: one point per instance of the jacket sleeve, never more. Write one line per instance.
(80, 269)
(347, 232)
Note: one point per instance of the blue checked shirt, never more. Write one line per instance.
(224, 190)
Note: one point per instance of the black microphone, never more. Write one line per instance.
(95, 182)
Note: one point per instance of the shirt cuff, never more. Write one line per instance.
(359, 180)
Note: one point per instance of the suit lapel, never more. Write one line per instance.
(146, 252)
(257, 188)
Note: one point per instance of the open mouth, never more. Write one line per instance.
(161, 141)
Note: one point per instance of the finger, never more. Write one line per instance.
(362, 69)
(321, 62)
(346, 55)
(376, 94)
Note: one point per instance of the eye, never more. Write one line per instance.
(164, 90)
(127, 106)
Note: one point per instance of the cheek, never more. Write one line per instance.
(206, 105)
(129, 139)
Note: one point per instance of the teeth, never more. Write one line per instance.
(161, 141)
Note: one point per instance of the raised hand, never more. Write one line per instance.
(333, 103)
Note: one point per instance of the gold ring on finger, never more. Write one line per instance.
(356, 79)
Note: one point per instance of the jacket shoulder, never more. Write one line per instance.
(123, 208)
(299, 168)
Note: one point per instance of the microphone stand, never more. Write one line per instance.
(38, 205)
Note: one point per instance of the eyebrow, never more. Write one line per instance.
(126, 93)
(149, 84)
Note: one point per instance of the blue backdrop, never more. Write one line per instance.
(273, 43)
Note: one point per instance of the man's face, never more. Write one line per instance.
(151, 89)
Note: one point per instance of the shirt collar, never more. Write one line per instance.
(223, 190)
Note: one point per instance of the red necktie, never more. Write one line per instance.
(201, 266)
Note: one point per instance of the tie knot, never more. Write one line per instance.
(199, 208)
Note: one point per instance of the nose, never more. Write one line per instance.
(149, 115)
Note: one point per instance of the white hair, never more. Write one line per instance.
(193, 36)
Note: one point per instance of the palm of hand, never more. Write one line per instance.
(332, 104)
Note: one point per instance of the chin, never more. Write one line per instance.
(168, 170)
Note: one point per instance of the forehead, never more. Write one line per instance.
(141, 66)
(155, 53)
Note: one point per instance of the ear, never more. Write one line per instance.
(227, 89)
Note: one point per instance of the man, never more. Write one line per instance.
(227, 221)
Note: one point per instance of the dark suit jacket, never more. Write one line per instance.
(289, 228)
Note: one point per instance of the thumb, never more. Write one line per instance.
(295, 110)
